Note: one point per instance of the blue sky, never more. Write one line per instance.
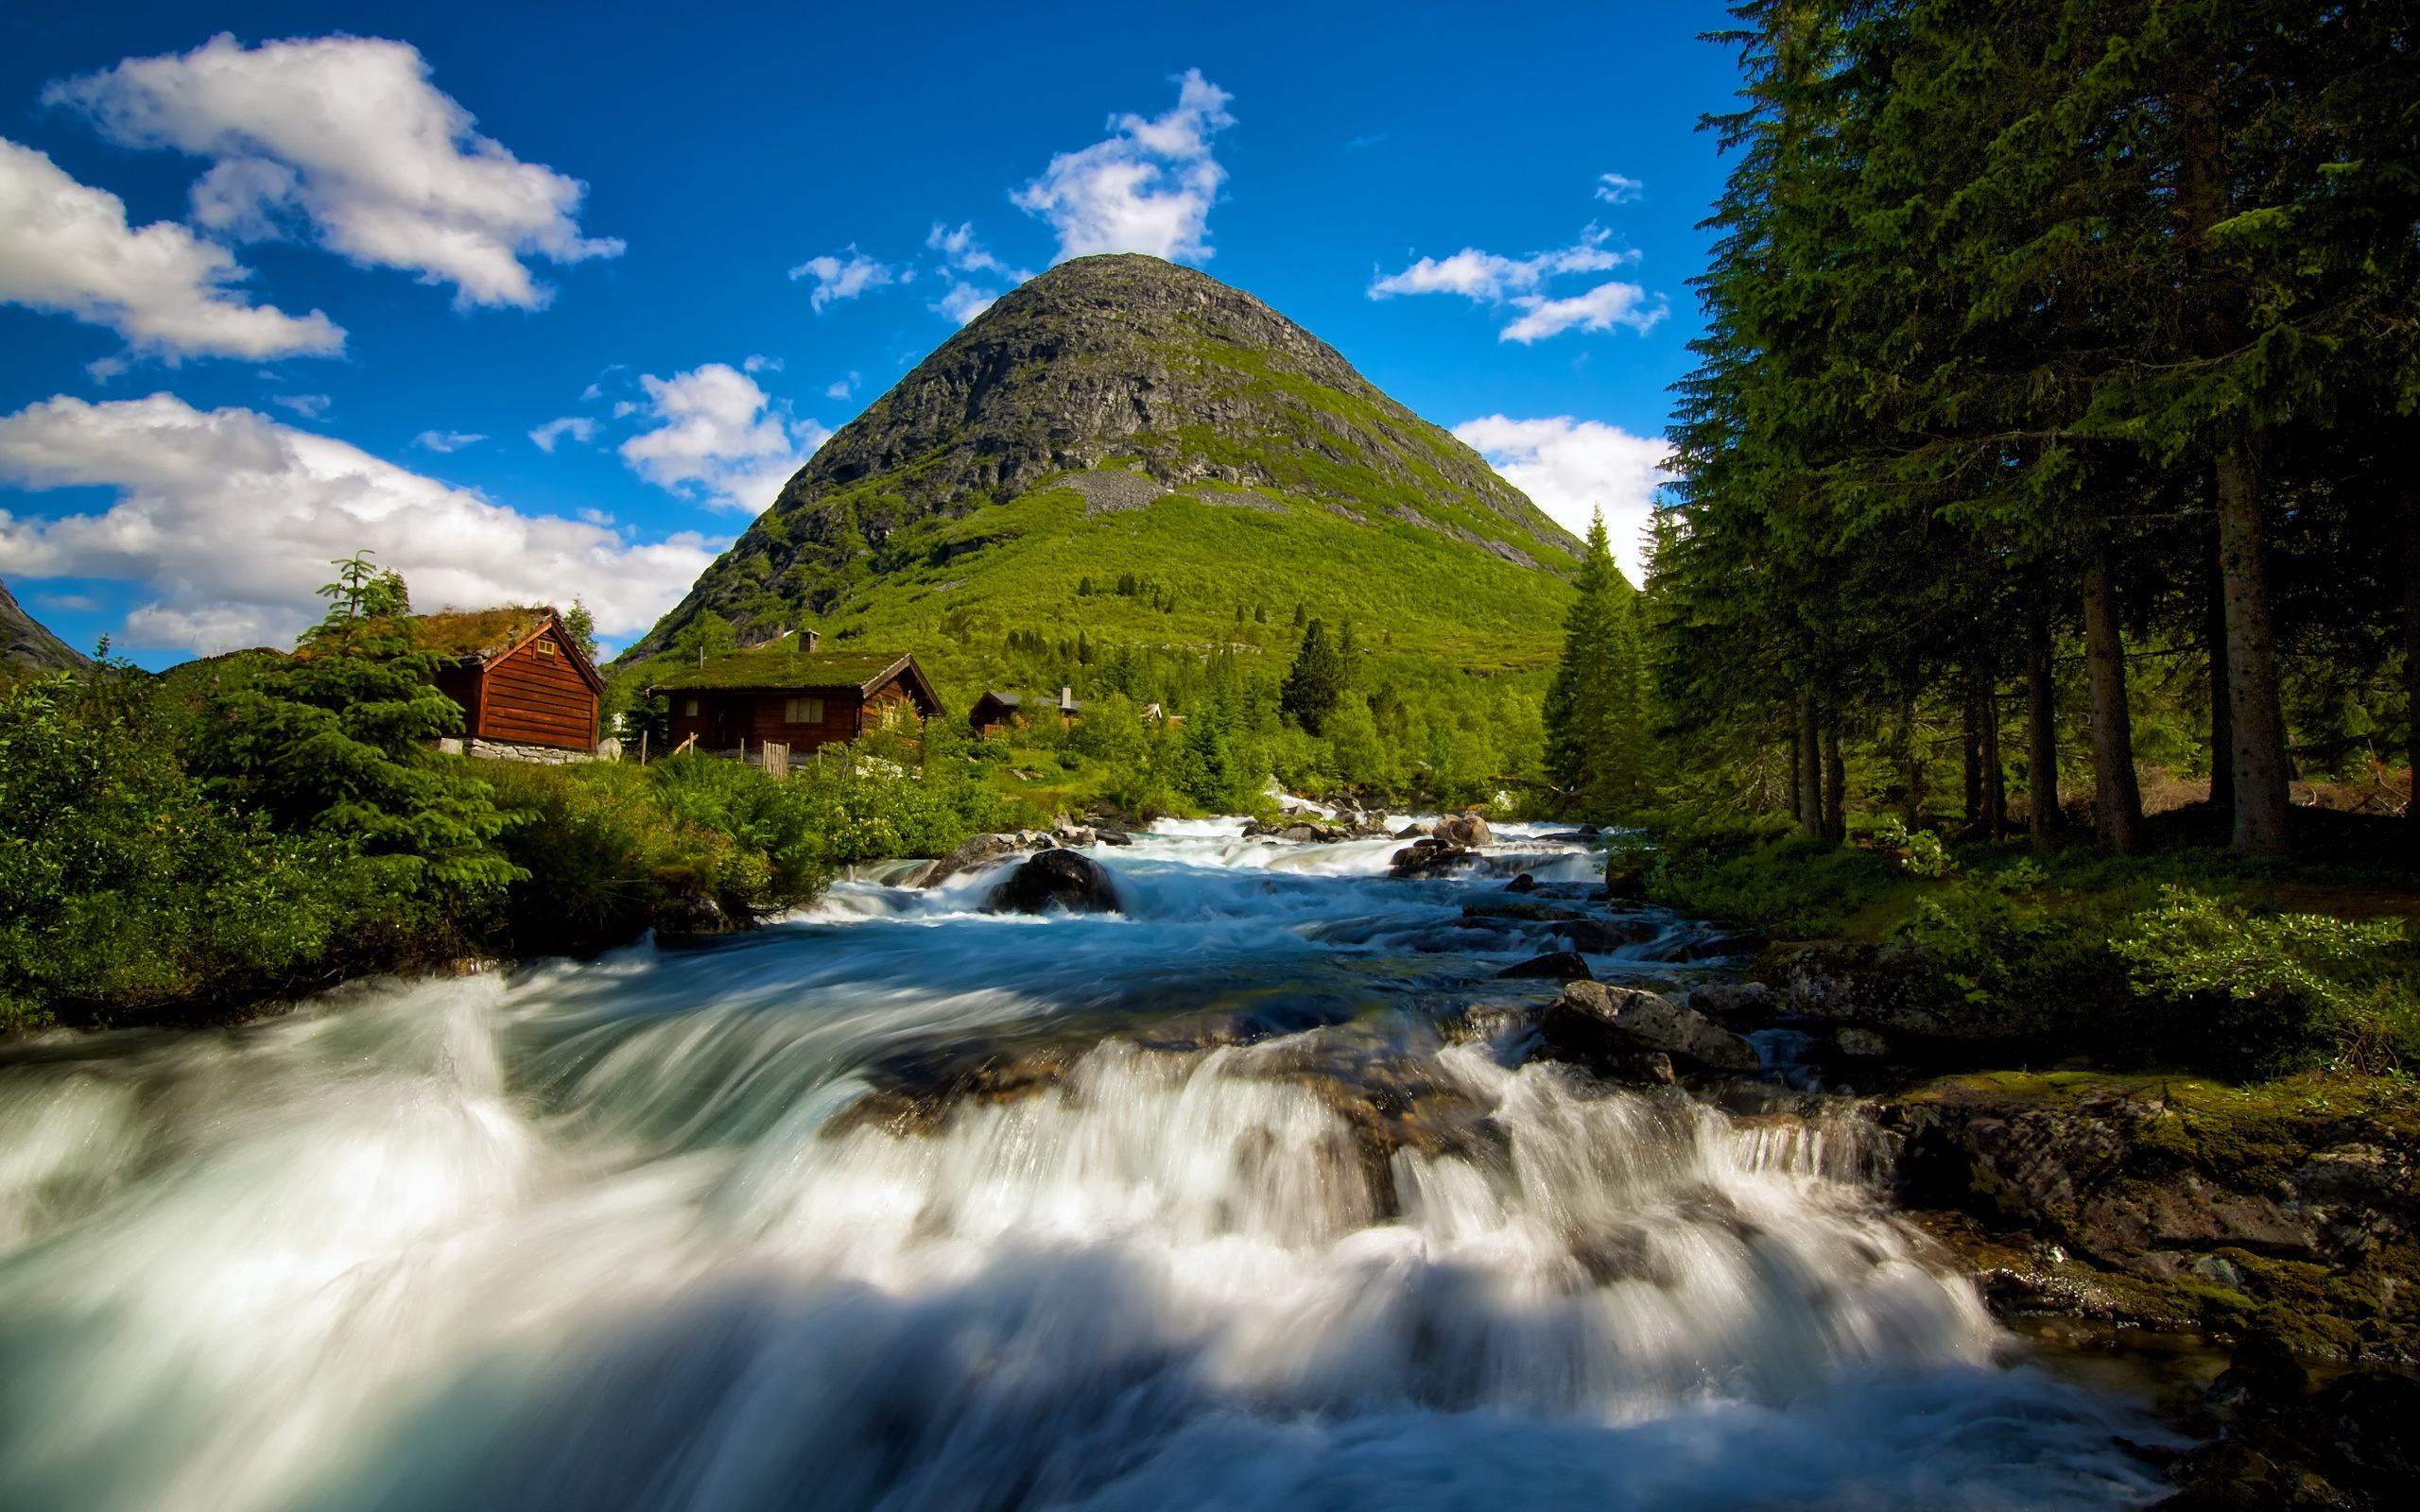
(315, 282)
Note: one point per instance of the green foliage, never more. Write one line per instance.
(1315, 681)
(1762, 874)
(337, 740)
(124, 886)
(1595, 714)
(2279, 991)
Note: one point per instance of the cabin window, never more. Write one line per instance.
(803, 710)
(689, 708)
(546, 648)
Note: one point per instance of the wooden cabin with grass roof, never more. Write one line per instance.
(525, 687)
(794, 697)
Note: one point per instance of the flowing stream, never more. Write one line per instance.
(1246, 1222)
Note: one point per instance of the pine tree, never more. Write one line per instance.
(1317, 679)
(1594, 707)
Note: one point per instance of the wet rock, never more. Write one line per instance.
(981, 850)
(1562, 966)
(1414, 831)
(1859, 1044)
(1113, 838)
(1724, 1000)
(1430, 857)
(1868, 986)
(684, 918)
(915, 1091)
(1602, 936)
(1592, 1023)
(1533, 910)
(1057, 879)
(1524, 882)
(1485, 1021)
(1467, 831)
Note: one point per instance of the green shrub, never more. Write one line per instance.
(2278, 993)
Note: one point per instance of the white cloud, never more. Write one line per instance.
(843, 388)
(964, 301)
(1618, 189)
(66, 248)
(1146, 188)
(1488, 277)
(842, 275)
(310, 406)
(719, 437)
(229, 518)
(963, 254)
(760, 364)
(346, 136)
(579, 427)
(1571, 468)
(443, 441)
(1601, 308)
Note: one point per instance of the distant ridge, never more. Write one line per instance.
(28, 645)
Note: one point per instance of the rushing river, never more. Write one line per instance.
(611, 1235)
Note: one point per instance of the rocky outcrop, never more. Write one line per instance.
(1467, 831)
(1059, 879)
(1871, 987)
(981, 850)
(2176, 1202)
(1596, 1024)
(28, 645)
(1430, 856)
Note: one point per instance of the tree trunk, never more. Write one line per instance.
(1790, 754)
(2044, 818)
(1810, 768)
(2214, 632)
(1987, 711)
(2412, 653)
(1836, 826)
(2118, 802)
(1970, 740)
(2257, 716)
(1912, 806)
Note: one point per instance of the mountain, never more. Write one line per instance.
(1198, 461)
(26, 646)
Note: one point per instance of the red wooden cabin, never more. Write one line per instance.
(804, 700)
(518, 675)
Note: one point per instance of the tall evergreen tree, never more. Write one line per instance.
(1315, 681)
(1595, 717)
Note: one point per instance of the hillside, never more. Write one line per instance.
(1199, 462)
(26, 645)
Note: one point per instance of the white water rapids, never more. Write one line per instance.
(594, 1236)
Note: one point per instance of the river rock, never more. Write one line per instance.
(1524, 882)
(1532, 910)
(1859, 1044)
(1564, 966)
(979, 850)
(1415, 831)
(1592, 1022)
(1468, 831)
(1057, 878)
(1430, 857)
(687, 917)
(1723, 1000)
(1601, 936)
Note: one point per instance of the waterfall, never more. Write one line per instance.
(618, 1235)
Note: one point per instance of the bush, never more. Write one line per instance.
(2000, 951)
(2278, 993)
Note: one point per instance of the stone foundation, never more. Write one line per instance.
(514, 751)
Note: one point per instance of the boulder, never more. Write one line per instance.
(1059, 879)
(1564, 966)
(1534, 910)
(1524, 882)
(979, 850)
(685, 916)
(1593, 1023)
(1113, 838)
(1485, 1021)
(1467, 831)
(1430, 857)
(1859, 1044)
(1601, 936)
(1723, 1000)
(1414, 831)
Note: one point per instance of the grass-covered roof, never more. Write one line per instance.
(779, 668)
(481, 632)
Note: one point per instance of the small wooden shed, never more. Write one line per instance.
(517, 673)
(803, 699)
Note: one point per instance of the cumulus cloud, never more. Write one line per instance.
(579, 427)
(1571, 468)
(1148, 187)
(962, 253)
(345, 138)
(719, 437)
(1488, 277)
(759, 363)
(229, 518)
(843, 387)
(67, 248)
(964, 301)
(443, 441)
(842, 275)
(310, 406)
(1618, 188)
(1601, 308)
